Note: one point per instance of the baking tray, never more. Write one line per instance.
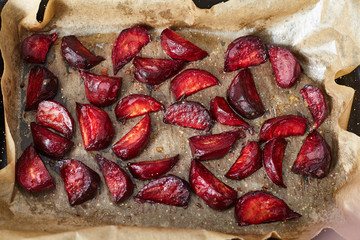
(352, 80)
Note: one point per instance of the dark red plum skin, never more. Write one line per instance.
(43, 85)
(169, 190)
(191, 81)
(283, 126)
(243, 96)
(49, 143)
(127, 45)
(273, 155)
(247, 163)
(54, 115)
(315, 99)
(96, 128)
(222, 112)
(101, 90)
(31, 173)
(36, 47)
(244, 52)
(136, 105)
(134, 142)
(258, 207)
(118, 181)
(152, 169)
(213, 146)
(81, 182)
(179, 48)
(314, 158)
(285, 66)
(188, 114)
(215, 193)
(153, 71)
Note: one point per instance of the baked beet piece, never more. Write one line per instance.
(132, 144)
(31, 173)
(119, 183)
(178, 47)
(247, 163)
(54, 115)
(258, 207)
(76, 55)
(136, 105)
(244, 52)
(43, 85)
(285, 66)
(36, 47)
(153, 71)
(96, 128)
(48, 142)
(213, 146)
(283, 126)
(152, 169)
(314, 158)
(191, 81)
(243, 96)
(188, 114)
(169, 190)
(81, 182)
(101, 90)
(222, 112)
(316, 102)
(127, 45)
(215, 193)
(273, 155)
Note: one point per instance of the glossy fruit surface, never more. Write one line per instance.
(178, 47)
(43, 85)
(152, 169)
(31, 173)
(36, 47)
(134, 142)
(96, 127)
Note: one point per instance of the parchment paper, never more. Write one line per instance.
(322, 34)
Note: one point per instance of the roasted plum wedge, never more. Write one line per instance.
(244, 52)
(213, 146)
(214, 192)
(191, 81)
(43, 85)
(81, 182)
(247, 163)
(136, 105)
(285, 66)
(314, 158)
(49, 143)
(221, 111)
(258, 207)
(315, 99)
(152, 169)
(54, 115)
(132, 144)
(154, 71)
(36, 47)
(273, 155)
(101, 90)
(96, 128)
(283, 126)
(76, 55)
(118, 181)
(188, 114)
(179, 48)
(169, 190)
(243, 96)
(31, 173)
(127, 45)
